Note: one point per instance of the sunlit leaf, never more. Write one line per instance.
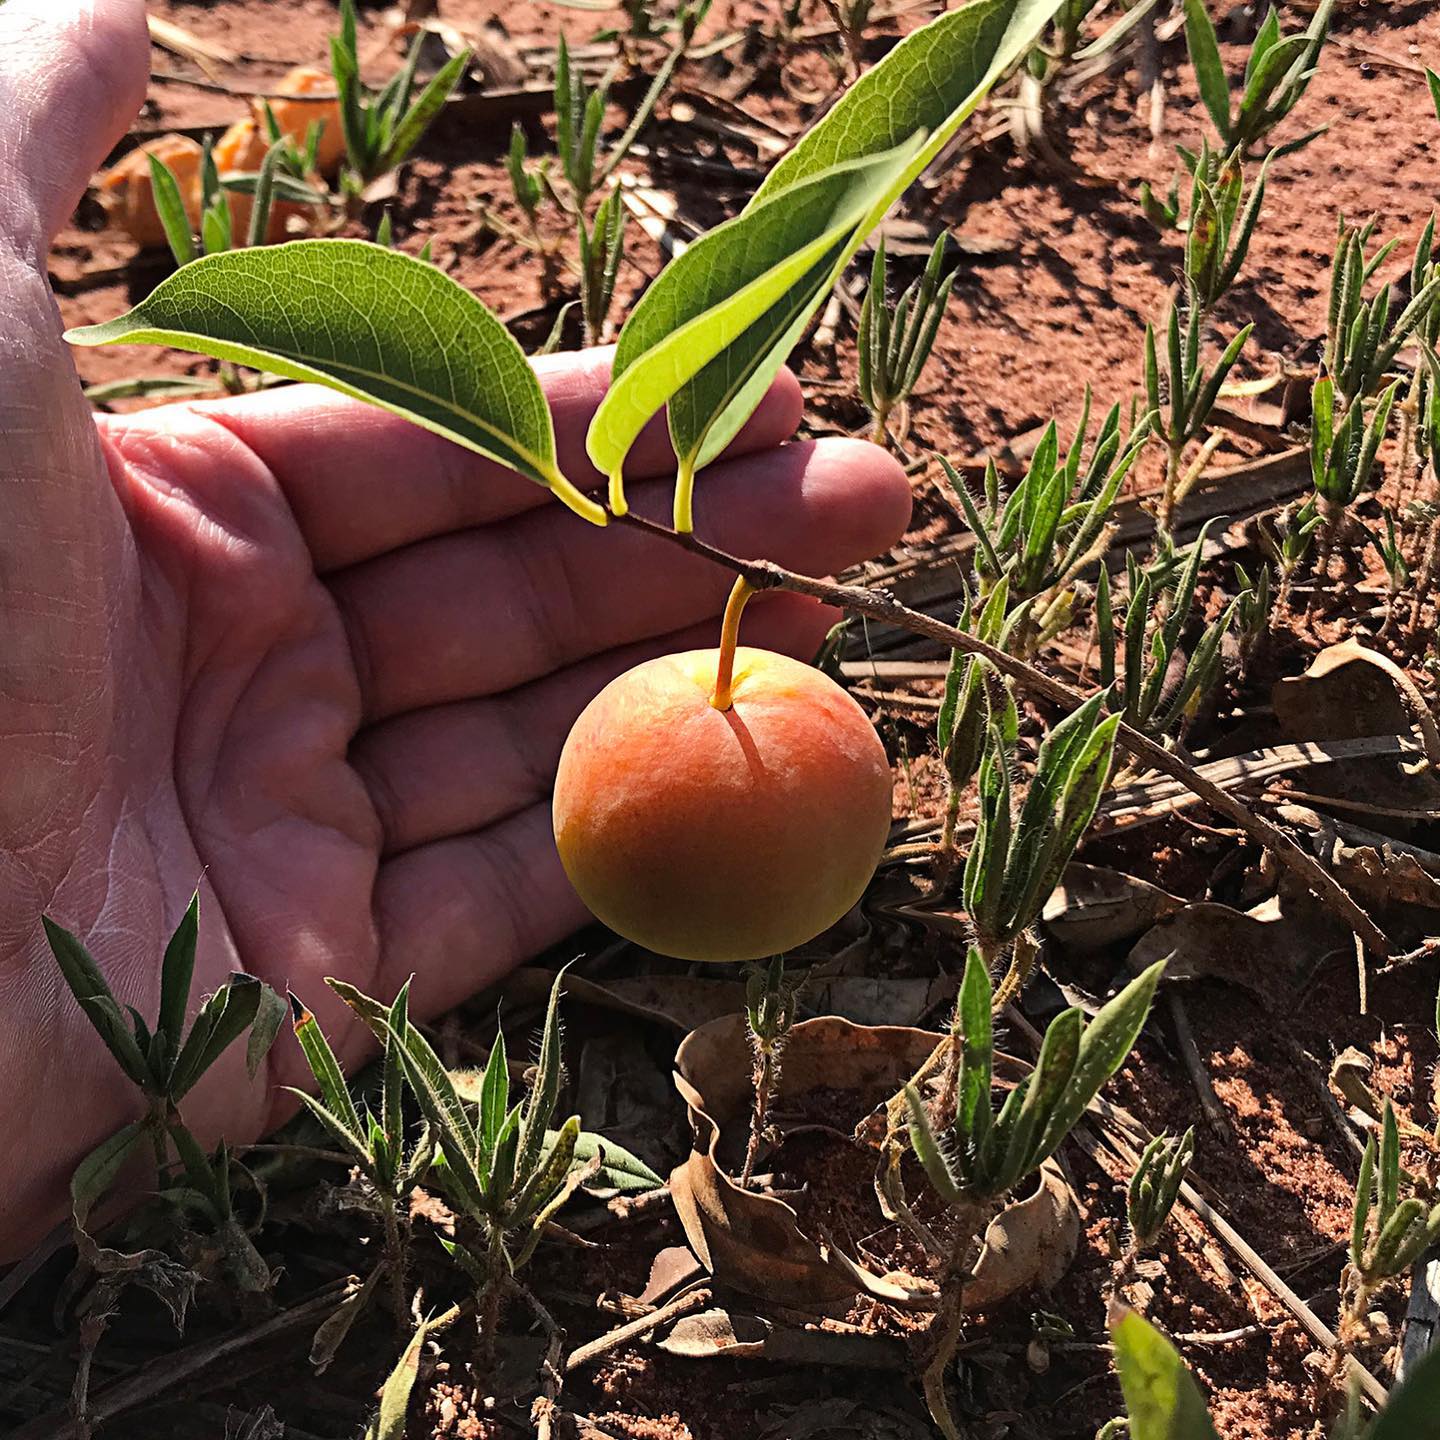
(371, 323)
(1161, 1397)
(918, 96)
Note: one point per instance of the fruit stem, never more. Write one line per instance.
(729, 634)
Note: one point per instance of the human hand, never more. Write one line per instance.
(296, 651)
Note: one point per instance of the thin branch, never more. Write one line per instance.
(878, 605)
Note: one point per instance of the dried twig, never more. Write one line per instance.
(877, 605)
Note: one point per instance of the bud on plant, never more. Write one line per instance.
(893, 345)
(1342, 457)
(1155, 1186)
(1387, 1234)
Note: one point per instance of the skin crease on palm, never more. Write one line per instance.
(310, 658)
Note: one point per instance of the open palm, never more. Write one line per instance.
(294, 651)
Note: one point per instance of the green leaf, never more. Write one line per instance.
(110, 1023)
(730, 280)
(620, 1172)
(427, 106)
(176, 971)
(1106, 1042)
(76, 964)
(1161, 1396)
(269, 1016)
(923, 91)
(97, 1172)
(223, 1018)
(1433, 80)
(1413, 1410)
(927, 1149)
(494, 1095)
(540, 1105)
(389, 1422)
(325, 1067)
(371, 323)
(1209, 72)
(165, 191)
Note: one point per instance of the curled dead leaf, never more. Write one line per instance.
(754, 1242)
(1095, 907)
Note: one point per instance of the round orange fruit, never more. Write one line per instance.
(711, 834)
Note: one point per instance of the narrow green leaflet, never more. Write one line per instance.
(710, 296)
(389, 1422)
(917, 98)
(371, 323)
(1161, 1397)
(620, 1172)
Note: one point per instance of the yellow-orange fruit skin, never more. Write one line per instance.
(127, 197)
(294, 117)
(721, 835)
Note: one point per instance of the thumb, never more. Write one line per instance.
(72, 76)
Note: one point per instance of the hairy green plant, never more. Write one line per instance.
(382, 129)
(602, 246)
(1155, 1186)
(1147, 691)
(1289, 538)
(164, 1059)
(1053, 524)
(1254, 611)
(1184, 395)
(1342, 455)
(1388, 1234)
(1362, 339)
(502, 1169)
(770, 1001)
(389, 1166)
(968, 709)
(1016, 858)
(893, 343)
(1278, 71)
(973, 1156)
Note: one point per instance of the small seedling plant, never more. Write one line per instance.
(382, 129)
(894, 342)
(1278, 71)
(974, 1156)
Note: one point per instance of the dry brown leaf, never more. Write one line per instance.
(754, 1243)
(1094, 907)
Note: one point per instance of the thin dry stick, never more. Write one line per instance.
(1210, 1104)
(584, 1355)
(877, 605)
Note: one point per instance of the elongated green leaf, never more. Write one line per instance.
(1103, 1048)
(620, 1172)
(707, 298)
(176, 971)
(97, 1172)
(1433, 80)
(269, 1016)
(223, 1018)
(389, 1422)
(1161, 1396)
(325, 1068)
(1209, 72)
(1413, 1411)
(165, 190)
(371, 323)
(926, 87)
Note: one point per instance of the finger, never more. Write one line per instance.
(464, 912)
(72, 76)
(483, 611)
(457, 768)
(362, 481)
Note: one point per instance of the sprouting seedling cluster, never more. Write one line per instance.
(1145, 687)
(894, 342)
(382, 129)
(974, 1155)
(1053, 525)
(164, 1058)
(390, 1164)
(1278, 71)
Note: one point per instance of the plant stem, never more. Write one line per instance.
(395, 1256)
(722, 698)
(880, 432)
(1425, 576)
(878, 605)
(942, 1337)
(766, 1078)
(1165, 516)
